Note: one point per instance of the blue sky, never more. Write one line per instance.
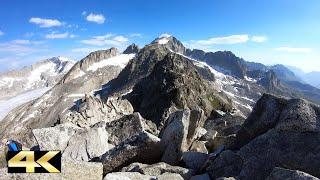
(271, 32)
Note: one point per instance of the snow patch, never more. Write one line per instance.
(7, 105)
(120, 60)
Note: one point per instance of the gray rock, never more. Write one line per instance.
(201, 177)
(179, 134)
(70, 170)
(143, 147)
(195, 160)
(128, 126)
(128, 176)
(87, 144)
(133, 48)
(279, 132)
(94, 110)
(56, 138)
(281, 173)
(227, 164)
(170, 176)
(159, 169)
(199, 146)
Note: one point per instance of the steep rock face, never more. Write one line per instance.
(132, 49)
(50, 108)
(224, 61)
(279, 133)
(174, 84)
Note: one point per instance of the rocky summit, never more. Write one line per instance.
(168, 112)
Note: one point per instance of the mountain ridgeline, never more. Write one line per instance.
(167, 112)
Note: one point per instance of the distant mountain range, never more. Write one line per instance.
(20, 86)
(189, 111)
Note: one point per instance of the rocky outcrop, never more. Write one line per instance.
(143, 147)
(93, 110)
(222, 131)
(279, 133)
(281, 173)
(132, 49)
(179, 134)
(174, 84)
(159, 169)
(75, 143)
(128, 126)
(70, 170)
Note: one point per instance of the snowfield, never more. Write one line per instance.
(7, 105)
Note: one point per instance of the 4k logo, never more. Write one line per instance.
(34, 161)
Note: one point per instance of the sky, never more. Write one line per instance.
(271, 32)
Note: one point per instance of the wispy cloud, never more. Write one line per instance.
(135, 35)
(259, 39)
(106, 40)
(20, 47)
(54, 35)
(1, 33)
(294, 49)
(97, 18)
(233, 39)
(45, 23)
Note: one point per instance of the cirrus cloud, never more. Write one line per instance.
(1, 33)
(233, 39)
(45, 23)
(106, 40)
(54, 35)
(259, 39)
(97, 18)
(294, 49)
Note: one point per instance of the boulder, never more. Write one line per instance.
(281, 173)
(127, 176)
(171, 176)
(87, 144)
(158, 169)
(227, 164)
(55, 138)
(179, 134)
(195, 160)
(70, 170)
(279, 132)
(143, 147)
(201, 177)
(128, 126)
(199, 146)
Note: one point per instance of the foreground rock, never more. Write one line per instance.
(143, 147)
(222, 131)
(284, 133)
(158, 169)
(179, 134)
(75, 143)
(70, 170)
(280, 174)
(126, 127)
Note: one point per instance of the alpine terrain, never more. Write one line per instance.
(164, 111)
(20, 86)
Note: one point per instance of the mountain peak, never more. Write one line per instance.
(169, 41)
